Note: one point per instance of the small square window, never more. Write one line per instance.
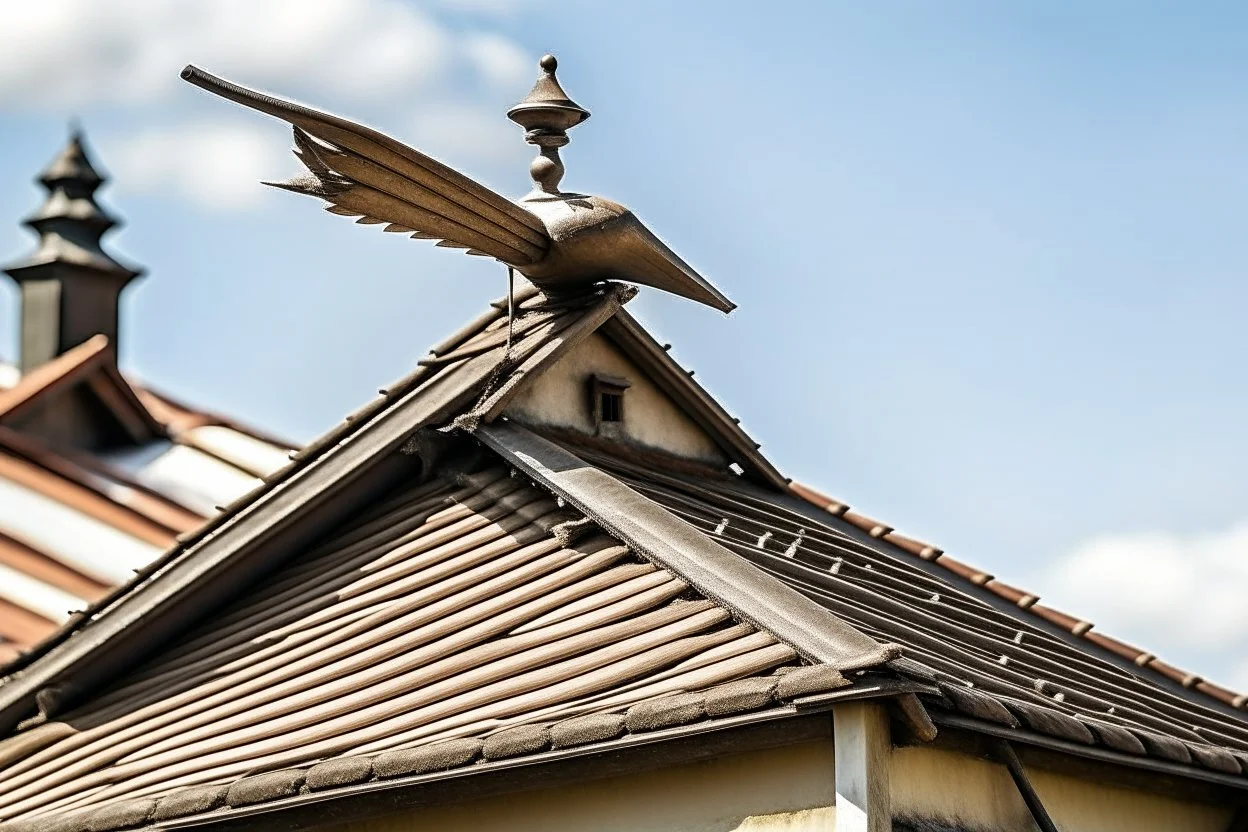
(611, 405)
(606, 398)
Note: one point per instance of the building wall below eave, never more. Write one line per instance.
(559, 397)
(787, 789)
(975, 795)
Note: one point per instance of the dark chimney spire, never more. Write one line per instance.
(70, 286)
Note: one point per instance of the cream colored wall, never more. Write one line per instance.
(558, 398)
(980, 796)
(780, 790)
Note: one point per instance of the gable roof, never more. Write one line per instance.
(91, 365)
(828, 592)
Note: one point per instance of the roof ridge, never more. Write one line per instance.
(52, 374)
(1027, 601)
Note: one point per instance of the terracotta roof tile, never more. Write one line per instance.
(64, 369)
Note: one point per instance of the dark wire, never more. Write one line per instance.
(511, 295)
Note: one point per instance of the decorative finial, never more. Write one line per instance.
(547, 114)
(561, 242)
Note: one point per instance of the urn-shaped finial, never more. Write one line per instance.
(546, 114)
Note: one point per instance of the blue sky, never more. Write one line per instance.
(989, 257)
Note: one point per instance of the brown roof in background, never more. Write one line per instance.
(97, 487)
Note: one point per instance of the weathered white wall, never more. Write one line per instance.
(980, 797)
(559, 398)
(780, 790)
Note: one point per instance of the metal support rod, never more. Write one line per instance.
(511, 305)
(1005, 753)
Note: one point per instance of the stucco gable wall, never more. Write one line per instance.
(560, 398)
(971, 794)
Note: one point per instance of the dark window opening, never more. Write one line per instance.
(606, 401)
(611, 406)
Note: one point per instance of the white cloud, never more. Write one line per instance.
(499, 61)
(1179, 596)
(61, 53)
(365, 58)
(216, 165)
(451, 131)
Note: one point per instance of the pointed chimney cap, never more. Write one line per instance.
(72, 164)
(547, 109)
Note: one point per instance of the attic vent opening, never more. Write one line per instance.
(611, 405)
(607, 401)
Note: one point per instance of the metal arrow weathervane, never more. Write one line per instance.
(560, 241)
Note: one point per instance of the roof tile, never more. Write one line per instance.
(1159, 745)
(665, 712)
(517, 741)
(339, 771)
(582, 730)
(422, 759)
(1214, 758)
(193, 800)
(973, 703)
(741, 695)
(1114, 736)
(1051, 722)
(261, 788)
(819, 678)
(125, 814)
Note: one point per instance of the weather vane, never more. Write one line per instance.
(560, 241)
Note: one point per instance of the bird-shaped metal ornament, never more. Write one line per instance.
(560, 241)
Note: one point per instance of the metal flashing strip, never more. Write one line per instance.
(657, 534)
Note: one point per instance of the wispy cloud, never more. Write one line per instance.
(1180, 596)
(216, 165)
(365, 57)
(59, 53)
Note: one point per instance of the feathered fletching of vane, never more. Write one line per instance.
(374, 194)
